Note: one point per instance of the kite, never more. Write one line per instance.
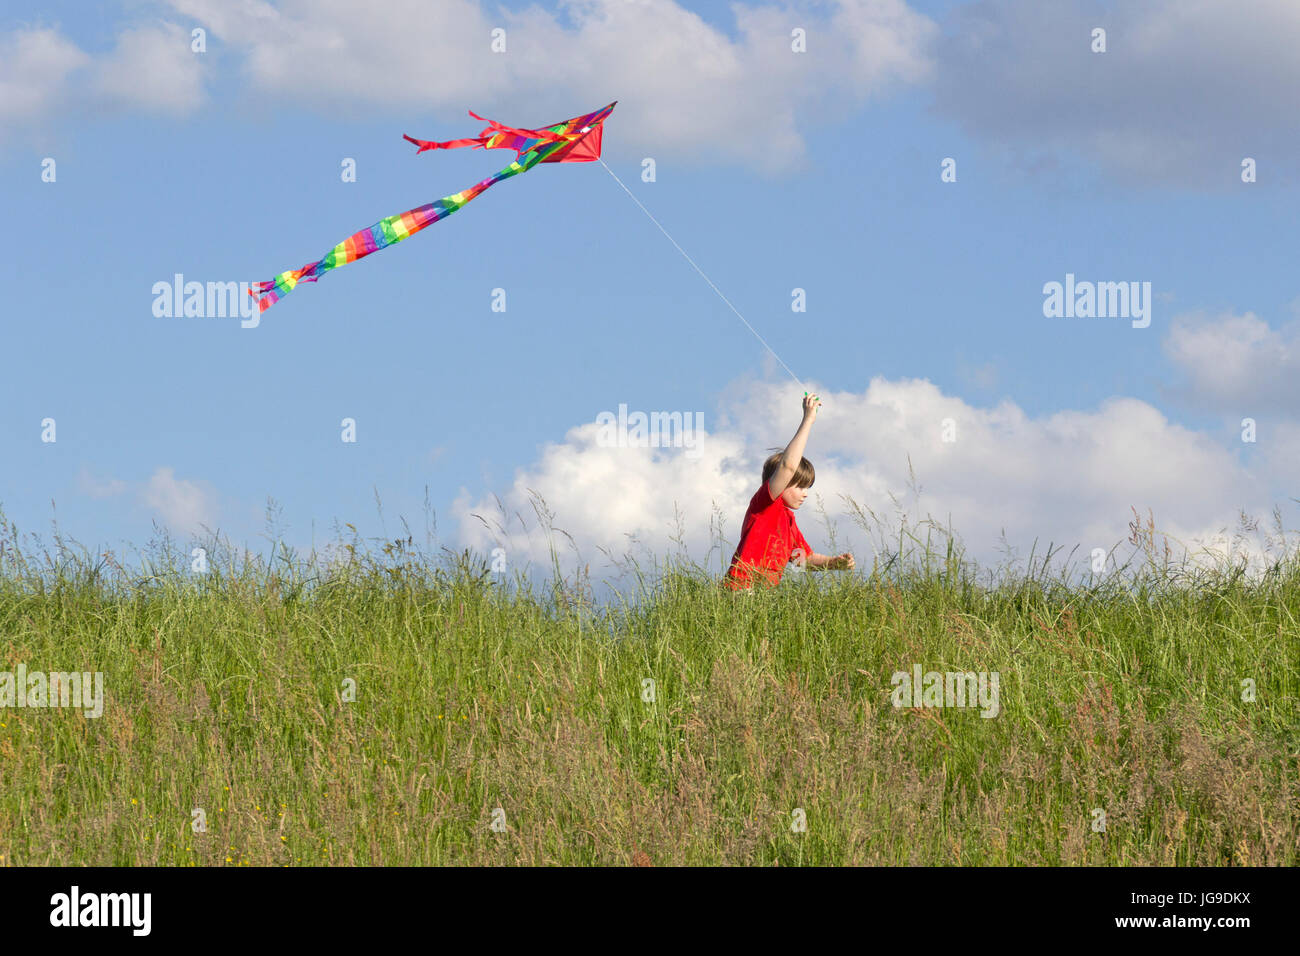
(574, 140)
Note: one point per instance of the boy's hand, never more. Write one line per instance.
(810, 404)
(841, 562)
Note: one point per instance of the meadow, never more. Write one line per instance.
(404, 706)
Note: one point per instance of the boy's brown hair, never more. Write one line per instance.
(804, 475)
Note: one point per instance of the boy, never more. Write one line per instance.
(769, 537)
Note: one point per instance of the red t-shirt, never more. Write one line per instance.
(767, 536)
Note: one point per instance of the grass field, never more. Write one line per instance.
(1120, 694)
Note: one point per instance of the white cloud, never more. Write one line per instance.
(185, 506)
(683, 86)
(151, 68)
(36, 67)
(1186, 89)
(45, 76)
(1070, 477)
(1182, 95)
(1278, 443)
(1237, 361)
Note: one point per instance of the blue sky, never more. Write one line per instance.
(924, 298)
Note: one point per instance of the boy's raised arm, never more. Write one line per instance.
(780, 479)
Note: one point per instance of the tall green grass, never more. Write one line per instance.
(1121, 694)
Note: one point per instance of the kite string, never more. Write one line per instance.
(701, 272)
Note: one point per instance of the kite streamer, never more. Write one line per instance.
(576, 140)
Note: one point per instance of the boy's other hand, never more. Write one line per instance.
(842, 562)
(810, 405)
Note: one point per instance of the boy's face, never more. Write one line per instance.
(793, 496)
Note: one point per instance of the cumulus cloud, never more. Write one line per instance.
(151, 68)
(1236, 361)
(683, 85)
(44, 75)
(1072, 477)
(184, 506)
(36, 70)
(1185, 90)
(1278, 446)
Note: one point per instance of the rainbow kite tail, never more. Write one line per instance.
(269, 293)
(573, 140)
(382, 234)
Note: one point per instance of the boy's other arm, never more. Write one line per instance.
(780, 479)
(839, 562)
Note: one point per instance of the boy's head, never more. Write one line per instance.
(797, 490)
